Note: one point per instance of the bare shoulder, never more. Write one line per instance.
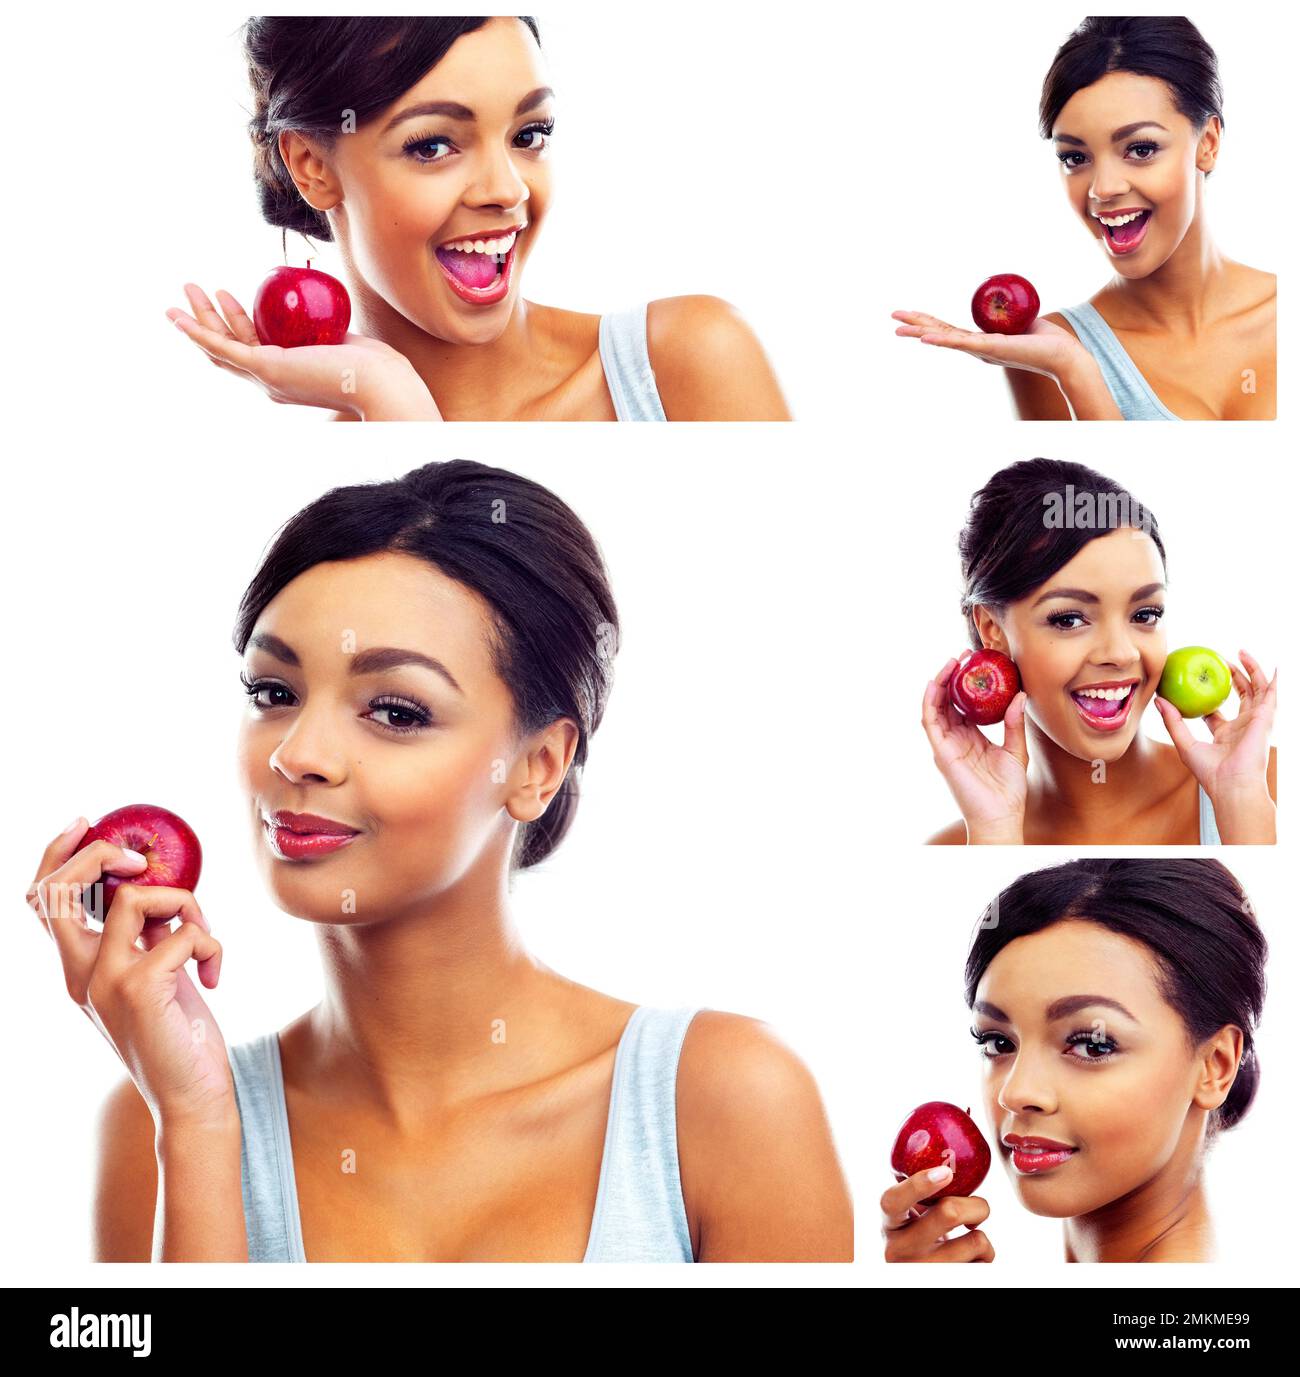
(759, 1167)
(1057, 318)
(1255, 286)
(709, 364)
(952, 835)
(126, 1182)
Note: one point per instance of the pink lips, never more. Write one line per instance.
(302, 836)
(1033, 1155)
(1120, 247)
(481, 296)
(1105, 721)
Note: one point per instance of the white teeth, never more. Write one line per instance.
(1116, 220)
(496, 247)
(1110, 695)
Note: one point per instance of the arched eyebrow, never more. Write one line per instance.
(373, 661)
(454, 110)
(1082, 594)
(1122, 133)
(1058, 1008)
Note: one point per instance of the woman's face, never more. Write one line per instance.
(1124, 148)
(1089, 644)
(1081, 1050)
(377, 707)
(462, 158)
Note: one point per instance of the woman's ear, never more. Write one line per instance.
(312, 176)
(990, 632)
(542, 769)
(1207, 148)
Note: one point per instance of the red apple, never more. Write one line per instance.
(167, 842)
(983, 685)
(296, 306)
(1006, 304)
(938, 1134)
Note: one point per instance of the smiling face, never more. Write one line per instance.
(1082, 1052)
(1089, 644)
(1127, 155)
(461, 159)
(374, 705)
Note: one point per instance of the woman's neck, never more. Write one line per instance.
(1188, 292)
(1087, 796)
(1167, 1219)
(497, 379)
(429, 1008)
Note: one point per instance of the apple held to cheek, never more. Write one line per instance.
(1005, 304)
(297, 306)
(983, 685)
(938, 1134)
(1196, 680)
(166, 841)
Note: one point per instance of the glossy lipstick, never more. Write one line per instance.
(485, 296)
(304, 836)
(1034, 1155)
(1115, 721)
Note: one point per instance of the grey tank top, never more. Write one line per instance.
(639, 1216)
(625, 357)
(1131, 391)
(1209, 825)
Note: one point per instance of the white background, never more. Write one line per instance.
(749, 832)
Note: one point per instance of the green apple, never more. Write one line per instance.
(1196, 680)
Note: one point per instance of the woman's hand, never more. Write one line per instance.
(361, 375)
(917, 1233)
(130, 979)
(1232, 767)
(989, 782)
(1043, 348)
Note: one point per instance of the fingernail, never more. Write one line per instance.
(129, 855)
(938, 1173)
(71, 826)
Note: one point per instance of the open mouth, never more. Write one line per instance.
(478, 270)
(1126, 231)
(1104, 709)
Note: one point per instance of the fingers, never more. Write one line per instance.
(933, 710)
(59, 892)
(242, 327)
(1179, 732)
(56, 854)
(192, 940)
(898, 1201)
(1013, 729)
(132, 906)
(213, 335)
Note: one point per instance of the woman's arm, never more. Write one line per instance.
(708, 363)
(759, 1167)
(198, 1213)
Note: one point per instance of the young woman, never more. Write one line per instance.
(1180, 331)
(1065, 573)
(421, 146)
(426, 661)
(1104, 985)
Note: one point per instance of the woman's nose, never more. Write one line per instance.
(496, 182)
(1108, 183)
(1027, 1087)
(305, 754)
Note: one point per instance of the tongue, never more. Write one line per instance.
(476, 270)
(1125, 234)
(1101, 707)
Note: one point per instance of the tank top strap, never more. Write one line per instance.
(1209, 824)
(640, 1214)
(1131, 391)
(265, 1158)
(625, 357)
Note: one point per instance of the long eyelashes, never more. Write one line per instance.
(1083, 1037)
(416, 715)
(417, 146)
(1060, 620)
(1154, 148)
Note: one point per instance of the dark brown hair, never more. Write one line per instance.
(1190, 914)
(309, 74)
(555, 625)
